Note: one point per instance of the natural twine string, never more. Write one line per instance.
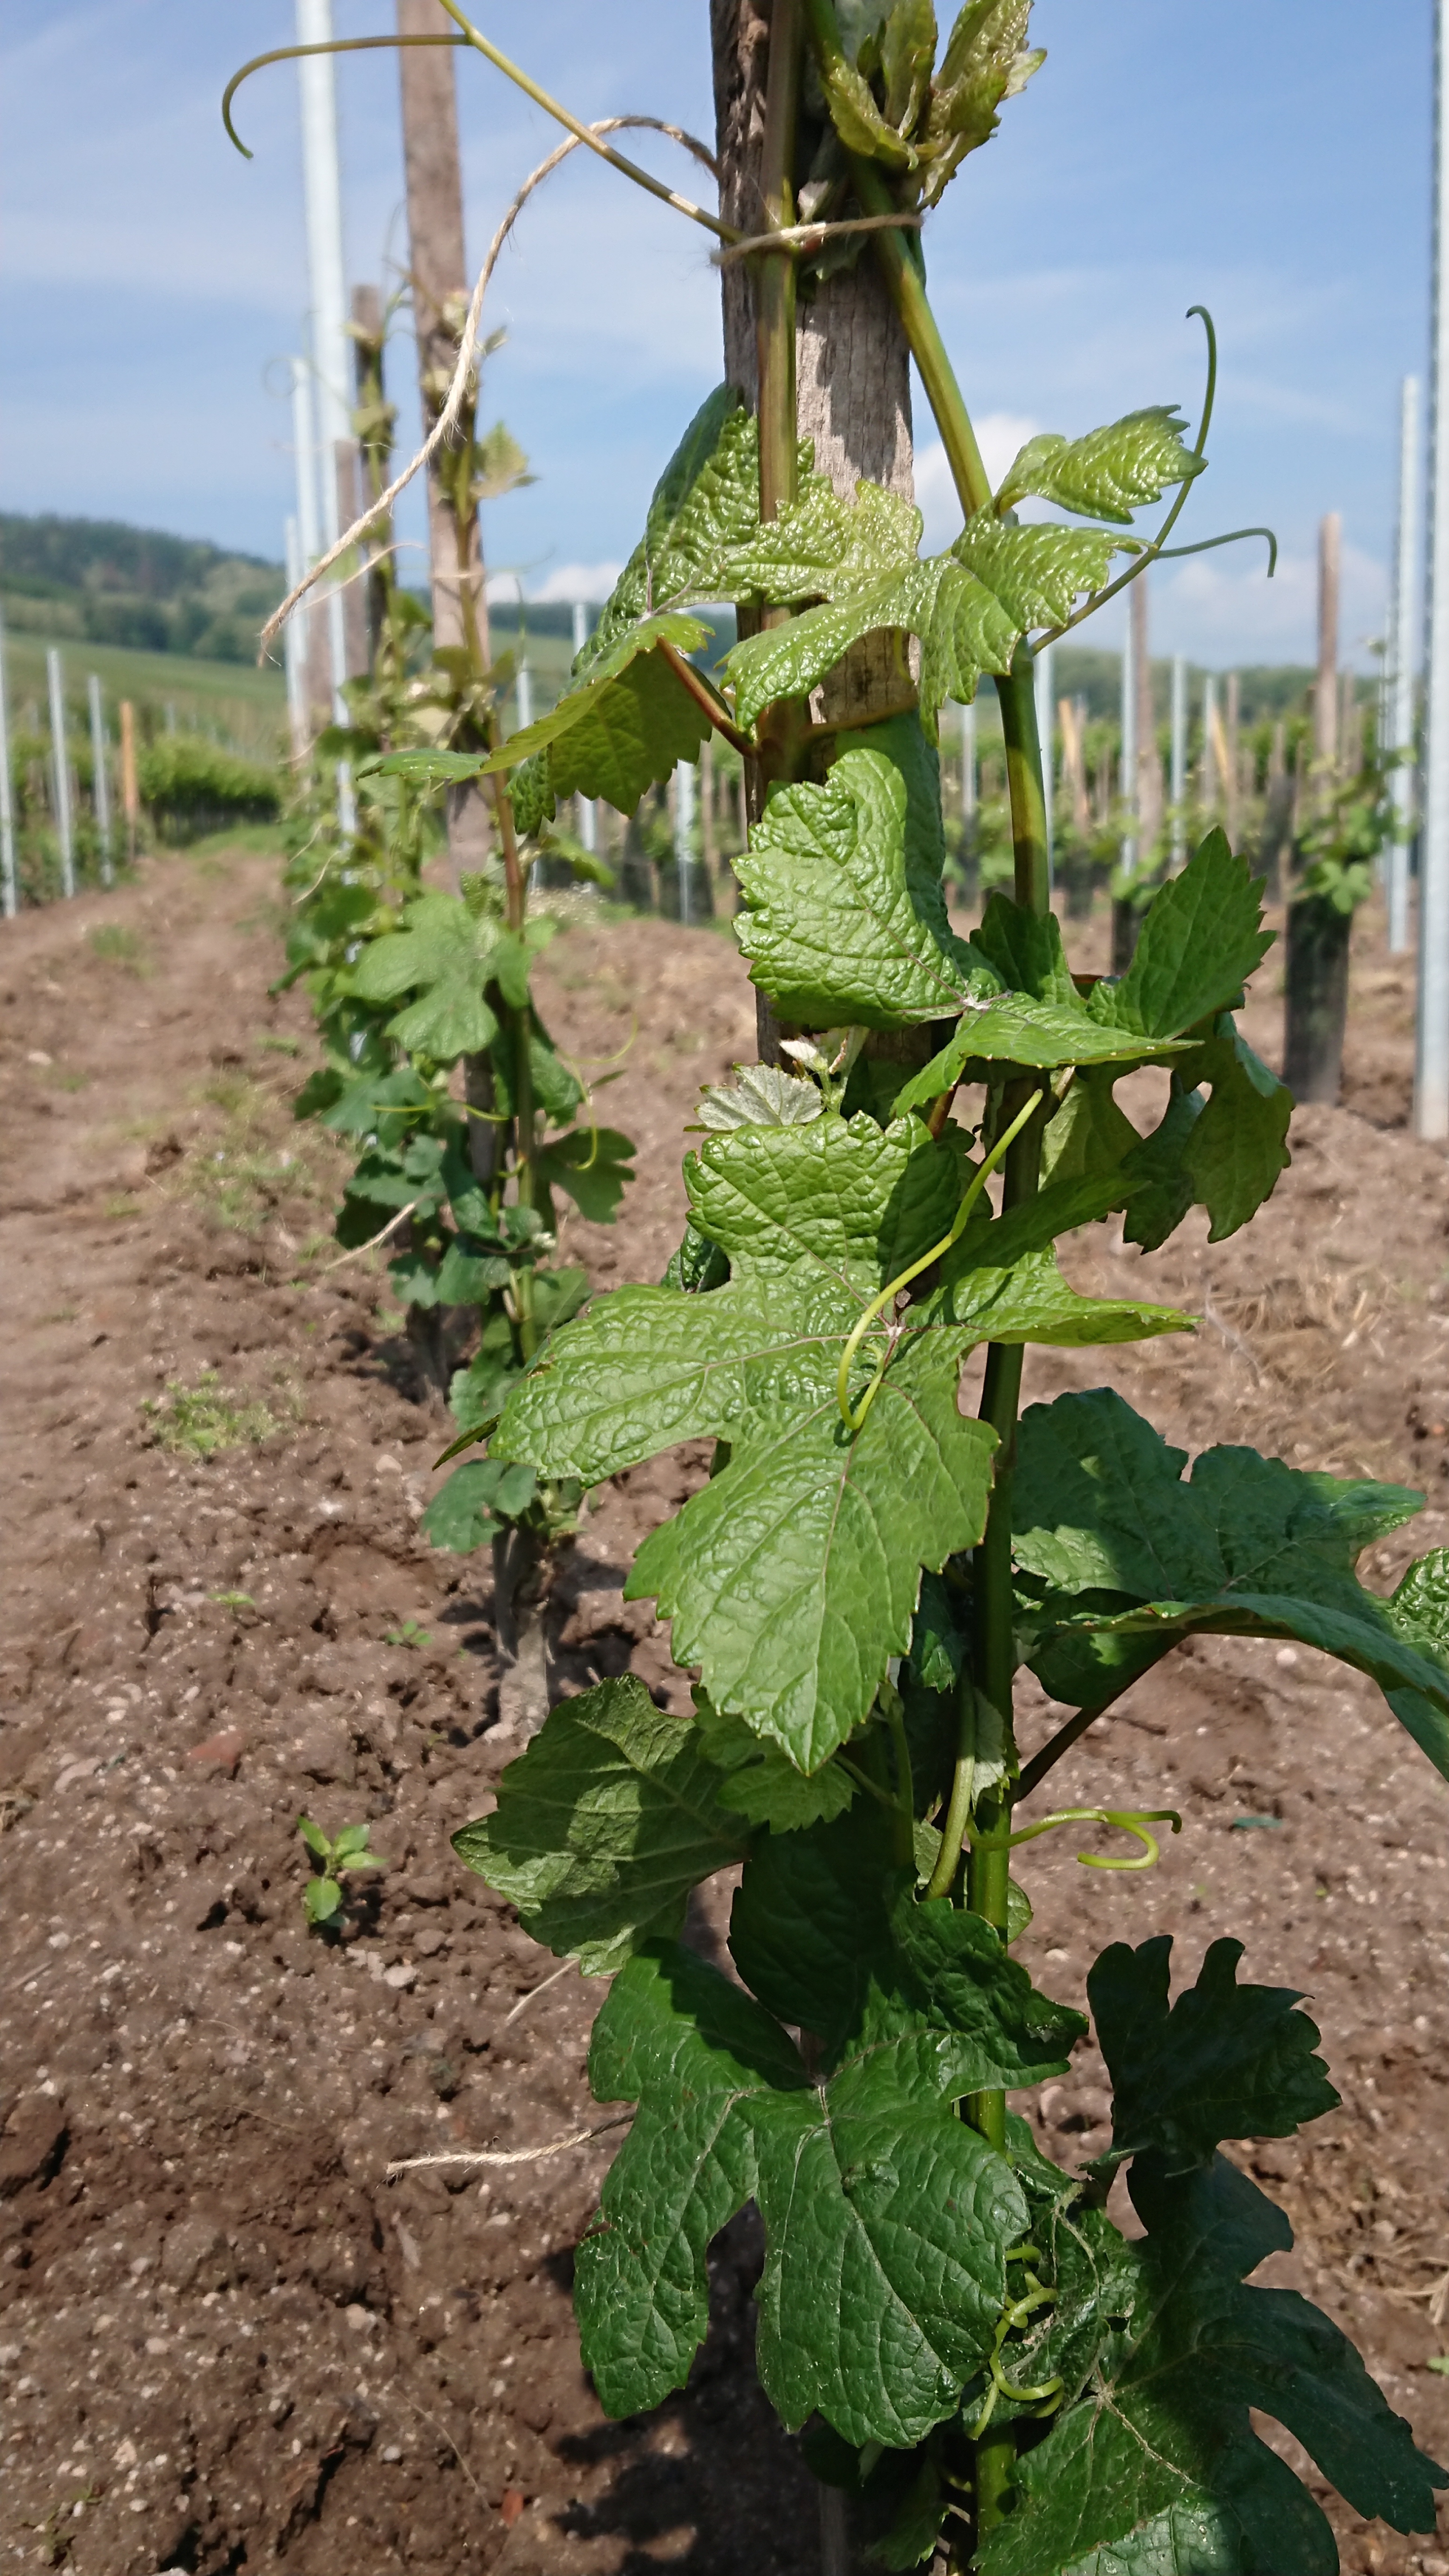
(511, 2155)
(808, 237)
(448, 417)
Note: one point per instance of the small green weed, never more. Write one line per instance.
(122, 1205)
(409, 1634)
(118, 945)
(323, 1893)
(197, 1421)
(232, 1600)
(271, 1042)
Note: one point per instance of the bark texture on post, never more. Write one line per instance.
(852, 363)
(438, 268)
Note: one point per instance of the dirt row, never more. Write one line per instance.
(225, 2338)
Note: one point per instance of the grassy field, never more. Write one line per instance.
(246, 706)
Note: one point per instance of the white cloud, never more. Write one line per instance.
(590, 582)
(1220, 614)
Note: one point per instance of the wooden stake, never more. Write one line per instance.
(439, 271)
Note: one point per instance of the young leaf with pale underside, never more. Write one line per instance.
(1109, 473)
(1245, 1547)
(445, 954)
(626, 726)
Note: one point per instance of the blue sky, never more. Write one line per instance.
(1263, 157)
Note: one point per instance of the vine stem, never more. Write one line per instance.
(987, 1878)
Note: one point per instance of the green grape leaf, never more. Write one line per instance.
(1233, 1154)
(1025, 950)
(1421, 1604)
(844, 919)
(707, 499)
(478, 1393)
(1223, 2061)
(886, 2218)
(1089, 1137)
(832, 1939)
(476, 1501)
(792, 1577)
(986, 61)
(594, 1165)
(1030, 1301)
(603, 1825)
(1154, 2466)
(762, 1783)
(426, 768)
(938, 1639)
(1156, 1171)
(1109, 473)
(445, 955)
(815, 1221)
(1201, 937)
(763, 1096)
(1245, 1547)
(466, 1278)
(969, 607)
(626, 726)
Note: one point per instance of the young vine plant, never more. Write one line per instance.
(467, 1121)
(974, 2350)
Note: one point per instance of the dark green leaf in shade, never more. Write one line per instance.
(1154, 2469)
(603, 1825)
(886, 2218)
(1201, 937)
(476, 1501)
(1223, 2061)
(594, 1165)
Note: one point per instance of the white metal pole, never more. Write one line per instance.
(525, 697)
(684, 837)
(1209, 742)
(1431, 1064)
(1399, 670)
(9, 883)
(1046, 734)
(304, 442)
(1127, 781)
(588, 811)
(60, 767)
(1179, 760)
(101, 776)
(294, 646)
(331, 347)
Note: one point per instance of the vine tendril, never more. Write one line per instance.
(853, 1419)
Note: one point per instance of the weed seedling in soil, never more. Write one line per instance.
(409, 1634)
(982, 2363)
(198, 1421)
(324, 1892)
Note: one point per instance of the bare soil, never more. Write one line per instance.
(225, 2338)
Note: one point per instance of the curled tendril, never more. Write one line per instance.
(1133, 1820)
(1157, 548)
(854, 1416)
(1018, 2312)
(294, 53)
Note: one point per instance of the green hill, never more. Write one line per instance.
(98, 581)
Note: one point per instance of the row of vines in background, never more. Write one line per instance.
(186, 784)
(473, 1131)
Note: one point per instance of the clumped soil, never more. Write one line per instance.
(225, 2337)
